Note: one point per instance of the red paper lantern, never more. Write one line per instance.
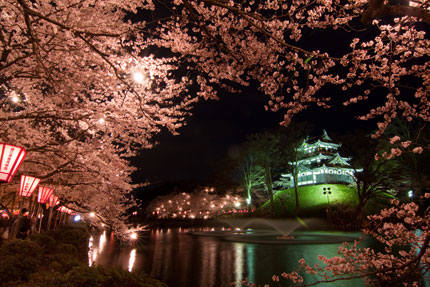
(62, 209)
(28, 185)
(53, 200)
(44, 194)
(11, 158)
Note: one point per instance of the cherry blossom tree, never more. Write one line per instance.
(203, 204)
(402, 230)
(81, 95)
(85, 83)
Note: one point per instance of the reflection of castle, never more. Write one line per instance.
(320, 163)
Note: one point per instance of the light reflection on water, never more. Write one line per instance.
(183, 260)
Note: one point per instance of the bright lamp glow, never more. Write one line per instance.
(92, 214)
(133, 235)
(15, 99)
(77, 218)
(237, 204)
(410, 193)
(138, 77)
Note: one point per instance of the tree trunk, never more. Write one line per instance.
(296, 191)
(269, 187)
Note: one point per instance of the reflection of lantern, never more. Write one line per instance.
(44, 194)
(11, 158)
(28, 185)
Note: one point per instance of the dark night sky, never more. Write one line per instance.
(216, 128)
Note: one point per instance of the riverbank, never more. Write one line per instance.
(60, 258)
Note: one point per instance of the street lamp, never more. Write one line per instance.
(138, 77)
(11, 157)
(326, 191)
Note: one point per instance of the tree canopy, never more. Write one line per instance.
(86, 83)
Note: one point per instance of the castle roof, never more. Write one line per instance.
(339, 160)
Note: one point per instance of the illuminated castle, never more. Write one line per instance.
(320, 163)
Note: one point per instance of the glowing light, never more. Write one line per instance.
(237, 204)
(101, 121)
(77, 218)
(102, 241)
(138, 77)
(410, 193)
(92, 252)
(14, 99)
(92, 214)
(133, 236)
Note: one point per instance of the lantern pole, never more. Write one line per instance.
(48, 227)
(56, 219)
(40, 222)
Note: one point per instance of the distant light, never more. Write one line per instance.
(410, 193)
(237, 204)
(138, 77)
(101, 121)
(77, 218)
(92, 214)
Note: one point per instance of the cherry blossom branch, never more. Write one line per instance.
(65, 27)
(248, 17)
(377, 9)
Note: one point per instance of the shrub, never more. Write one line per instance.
(44, 240)
(64, 263)
(18, 259)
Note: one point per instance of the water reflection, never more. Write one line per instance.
(183, 260)
(131, 260)
(238, 263)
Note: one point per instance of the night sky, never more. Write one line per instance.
(217, 127)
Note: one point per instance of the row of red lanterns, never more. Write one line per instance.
(11, 158)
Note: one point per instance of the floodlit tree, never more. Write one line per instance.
(265, 149)
(250, 175)
(202, 204)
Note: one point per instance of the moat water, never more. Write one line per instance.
(184, 258)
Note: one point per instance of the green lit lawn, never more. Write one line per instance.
(311, 199)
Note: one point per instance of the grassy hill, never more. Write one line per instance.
(312, 201)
